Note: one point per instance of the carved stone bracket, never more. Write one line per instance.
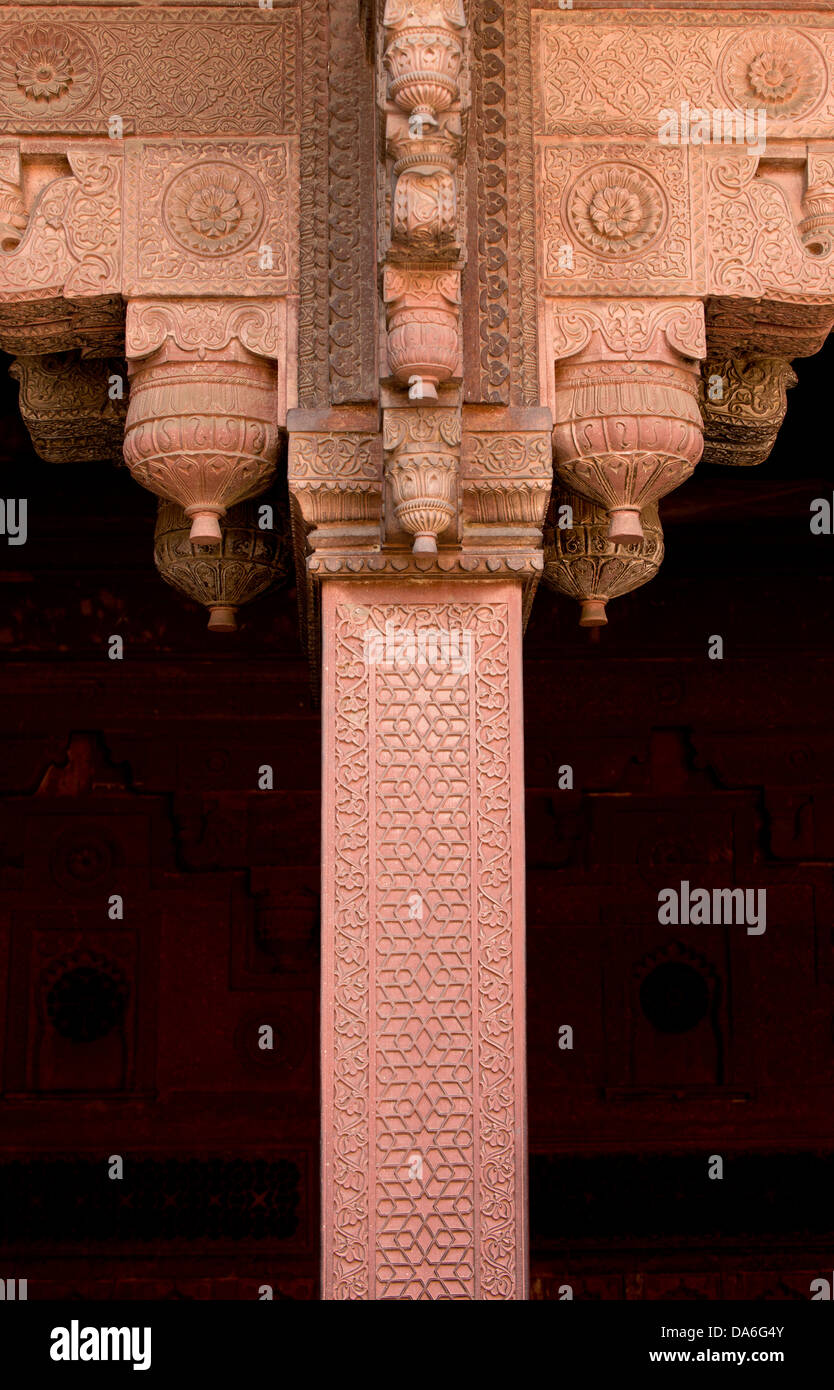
(423, 313)
(251, 560)
(74, 408)
(72, 245)
(627, 428)
(743, 402)
(202, 424)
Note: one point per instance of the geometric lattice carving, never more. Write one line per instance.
(422, 931)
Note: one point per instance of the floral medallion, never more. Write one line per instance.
(213, 209)
(616, 210)
(46, 71)
(783, 73)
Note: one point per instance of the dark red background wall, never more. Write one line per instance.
(139, 1037)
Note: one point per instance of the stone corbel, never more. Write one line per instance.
(61, 278)
(335, 479)
(204, 415)
(422, 448)
(743, 403)
(583, 563)
(627, 427)
(73, 407)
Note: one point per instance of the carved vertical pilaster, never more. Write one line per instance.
(423, 1133)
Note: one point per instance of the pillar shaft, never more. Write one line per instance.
(423, 1134)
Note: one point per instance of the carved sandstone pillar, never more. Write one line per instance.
(423, 1133)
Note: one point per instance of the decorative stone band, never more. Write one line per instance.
(627, 428)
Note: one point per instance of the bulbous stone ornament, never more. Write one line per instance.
(202, 434)
(250, 560)
(582, 561)
(626, 424)
(424, 487)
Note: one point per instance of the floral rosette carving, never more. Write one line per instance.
(213, 209)
(581, 561)
(781, 72)
(46, 70)
(615, 210)
(249, 562)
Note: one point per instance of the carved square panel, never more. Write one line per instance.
(619, 218)
(211, 217)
